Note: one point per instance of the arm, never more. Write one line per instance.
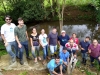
(31, 41)
(61, 69)
(2, 35)
(19, 44)
(81, 47)
(40, 42)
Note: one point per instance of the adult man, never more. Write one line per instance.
(62, 40)
(64, 55)
(22, 39)
(7, 34)
(71, 47)
(52, 40)
(55, 64)
(94, 50)
(84, 49)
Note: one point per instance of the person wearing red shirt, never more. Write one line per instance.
(74, 38)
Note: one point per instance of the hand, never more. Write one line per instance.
(6, 43)
(33, 48)
(75, 55)
(82, 48)
(20, 46)
(89, 51)
(99, 58)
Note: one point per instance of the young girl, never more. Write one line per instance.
(34, 40)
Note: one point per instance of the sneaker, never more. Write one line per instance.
(13, 60)
(29, 58)
(21, 62)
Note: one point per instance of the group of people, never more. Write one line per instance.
(17, 37)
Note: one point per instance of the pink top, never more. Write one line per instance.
(75, 40)
(74, 47)
(95, 52)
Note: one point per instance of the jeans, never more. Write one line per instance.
(53, 49)
(84, 55)
(73, 51)
(92, 59)
(36, 49)
(9, 49)
(45, 52)
(51, 72)
(21, 50)
(61, 48)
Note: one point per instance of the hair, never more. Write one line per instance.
(74, 33)
(88, 37)
(8, 16)
(94, 40)
(64, 48)
(57, 57)
(20, 19)
(54, 28)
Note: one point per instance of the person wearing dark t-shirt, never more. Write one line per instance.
(62, 40)
(34, 39)
(52, 40)
(84, 49)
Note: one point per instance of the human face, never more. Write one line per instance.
(42, 31)
(95, 42)
(21, 22)
(71, 42)
(64, 51)
(87, 39)
(74, 35)
(34, 30)
(57, 61)
(8, 20)
(63, 34)
(54, 31)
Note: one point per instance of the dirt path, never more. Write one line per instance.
(29, 68)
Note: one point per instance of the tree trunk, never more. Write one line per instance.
(60, 13)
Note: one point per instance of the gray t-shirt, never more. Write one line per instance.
(53, 38)
(21, 33)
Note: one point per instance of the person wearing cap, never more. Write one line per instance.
(62, 40)
(64, 55)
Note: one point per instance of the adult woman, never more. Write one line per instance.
(34, 39)
(74, 38)
(44, 44)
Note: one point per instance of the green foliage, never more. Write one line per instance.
(89, 73)
(78, 63)
(23, 73)
(31, 10)
(3, 52)
(1, 20)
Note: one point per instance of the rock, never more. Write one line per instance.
(1, 73)
(28, 64)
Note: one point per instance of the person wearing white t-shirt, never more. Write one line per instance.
(7, 34)
(44, 44)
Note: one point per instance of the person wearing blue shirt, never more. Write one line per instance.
(84, 49)
(64, 55)
(53, 64)
(62, 40)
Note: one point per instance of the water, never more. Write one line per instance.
(82, 29)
